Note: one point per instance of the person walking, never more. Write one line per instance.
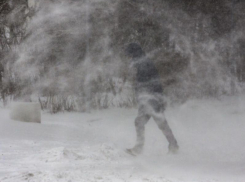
(149, 96)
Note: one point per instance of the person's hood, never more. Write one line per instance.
(134, 51)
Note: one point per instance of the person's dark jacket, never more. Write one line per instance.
(147, 76)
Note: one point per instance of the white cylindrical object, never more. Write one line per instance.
(26, 111)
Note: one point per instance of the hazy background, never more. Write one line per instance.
(69, 54)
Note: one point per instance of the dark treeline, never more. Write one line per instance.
(70, 54)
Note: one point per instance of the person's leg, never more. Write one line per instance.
(158, 107)
(140, 122)
(164, 127)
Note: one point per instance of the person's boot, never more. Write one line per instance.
(135, 150)
(173, 148)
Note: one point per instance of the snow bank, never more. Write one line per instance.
(24, 111)
(89, 147)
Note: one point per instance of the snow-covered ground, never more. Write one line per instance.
(74, 147)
